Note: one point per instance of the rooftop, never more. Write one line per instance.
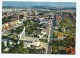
(30, 39)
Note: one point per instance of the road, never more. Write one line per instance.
(48, 51)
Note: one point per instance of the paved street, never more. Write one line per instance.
(48, 51)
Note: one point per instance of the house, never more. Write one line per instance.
(8, 42)
(56, 27)
(58, 19)
(5, 42)
(43, 20)
(6, 49)
(43, 33)
(70, 50)
(63, 29)
(60, 36)
(40, 35)
(7, 26)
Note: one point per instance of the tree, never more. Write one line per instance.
(18, 49)
(58, 43)
(3, 47)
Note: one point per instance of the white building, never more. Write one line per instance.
(28, 41)
(43, 33)
(43, 20)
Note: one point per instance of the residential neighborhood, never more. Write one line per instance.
(38, 29)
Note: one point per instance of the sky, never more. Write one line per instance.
(55, 4)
